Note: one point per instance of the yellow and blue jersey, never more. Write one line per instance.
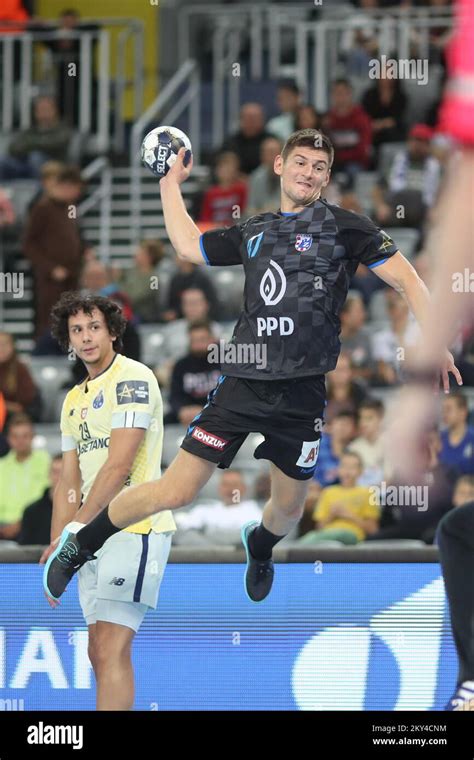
(125, 395)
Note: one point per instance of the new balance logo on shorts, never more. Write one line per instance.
(117, 582)
(209, 439)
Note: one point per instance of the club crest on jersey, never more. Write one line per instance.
(84, 413)
(99, 400)
(303, 242)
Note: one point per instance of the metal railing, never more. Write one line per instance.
(17, 96)
(269, 31)
(101, 196)
(187, 74)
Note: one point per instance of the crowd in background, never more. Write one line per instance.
(377, 329)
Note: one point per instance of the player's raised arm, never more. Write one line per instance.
(182, 232)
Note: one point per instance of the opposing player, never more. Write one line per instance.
(452, 244)
(112, 434)
(298, 264)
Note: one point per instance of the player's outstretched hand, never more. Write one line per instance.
(448, 366)
(178, 172)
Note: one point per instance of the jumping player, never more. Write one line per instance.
(298, 264)
(112, 434)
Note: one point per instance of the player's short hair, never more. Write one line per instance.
(374, 405)
(73, 302)
(309, 138)
(19, 419)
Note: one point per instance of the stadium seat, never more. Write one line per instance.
(50, 373)
(365, 182)
(48, 436)
(388, 152)
(173, 435)
(152, 342)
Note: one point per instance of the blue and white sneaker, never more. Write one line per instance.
(64, 562)
(463, 697)
(259, 573)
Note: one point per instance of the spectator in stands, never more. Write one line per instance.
(53, 243)
(350, 130)
(36, 520)
(193, 376)
(247, 141)
(7, 212)
(370, 444)
(189, 276)
(140, 282)
(334, 442)
(344, 512)
(359, 44)
(307, 117)
(16, 383)
(288, 101)
(23, 475)
(385, 103)
(65, 51)
(463, 490)
(391, 345)
(356, 338)
(49, 174)
(195, 307)
(4, 447)
(457, 438)
(32, 147)
(264, 184)
(403, 196)
(223, 202)
(413, 512)
(344, 392)
(222, 518)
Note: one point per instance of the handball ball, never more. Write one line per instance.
(160, 148)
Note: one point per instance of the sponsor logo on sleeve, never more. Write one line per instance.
(133, 392)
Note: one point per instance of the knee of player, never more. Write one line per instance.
(292, 510)
(107, 651)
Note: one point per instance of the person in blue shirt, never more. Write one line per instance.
(343, 430)
(457, 440)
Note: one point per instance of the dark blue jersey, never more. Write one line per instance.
(298, 268)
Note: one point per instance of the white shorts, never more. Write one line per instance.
(123, 582)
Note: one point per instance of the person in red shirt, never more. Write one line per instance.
(224, 202)
(349, 128)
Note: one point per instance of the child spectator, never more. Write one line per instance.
(457, 439)
(345, 512)
(224, 202)
(369, 445)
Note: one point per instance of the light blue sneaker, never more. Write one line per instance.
(463, 697)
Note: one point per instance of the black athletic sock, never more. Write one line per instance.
(261, 542)
(96, 533)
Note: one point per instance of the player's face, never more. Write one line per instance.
(90, 338)
(303, 175)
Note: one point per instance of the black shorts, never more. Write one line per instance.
(288, 413)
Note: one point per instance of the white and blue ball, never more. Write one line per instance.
(160, 148)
